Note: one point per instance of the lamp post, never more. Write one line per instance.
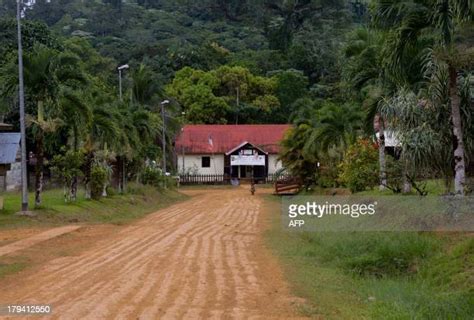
(182, 146)
(163, 136)
(122, 186)
(21, 98)
(123, 67)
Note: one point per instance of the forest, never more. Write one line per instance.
(339, 71)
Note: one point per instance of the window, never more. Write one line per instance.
(206, 162)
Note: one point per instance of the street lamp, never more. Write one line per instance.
(122, 186)
(123, 67)
(182, 145)
(21, 98)
(163, 136)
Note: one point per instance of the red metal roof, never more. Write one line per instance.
(207, 139)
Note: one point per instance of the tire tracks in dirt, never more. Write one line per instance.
(199, 259)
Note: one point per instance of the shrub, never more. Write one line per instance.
(328, 175)
(99, 177)
(152, 176)
(394, 172)
(68, 168)
(359, 168)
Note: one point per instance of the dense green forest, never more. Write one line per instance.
(337, 70)
(296, 44)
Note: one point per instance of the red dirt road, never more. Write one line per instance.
(199, 259)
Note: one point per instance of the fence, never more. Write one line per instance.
(190, 179)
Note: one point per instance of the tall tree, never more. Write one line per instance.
(49, 76)
(365, 73)
(290, 15)
(442, 19)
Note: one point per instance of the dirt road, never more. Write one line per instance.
(199, 259)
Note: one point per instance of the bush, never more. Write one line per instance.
(152, 176)
(99, 177)
(67, 167)
(328, 175)
(394, 172)
(359, 169)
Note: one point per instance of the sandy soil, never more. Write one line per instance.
(35, 239)
(12, 235)
(199, 259)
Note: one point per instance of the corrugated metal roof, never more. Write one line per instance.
(207, 139)
(9, 144)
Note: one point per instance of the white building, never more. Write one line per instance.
(233, 151)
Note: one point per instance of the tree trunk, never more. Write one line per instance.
(406, 181)
(119, 166)
(39, 167)
(73, 189)
(459, 164)
(39, 155)
(382, 163)
(87, 174)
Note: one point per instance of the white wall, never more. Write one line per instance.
(192, 164)
(273, 164)
(14, 177)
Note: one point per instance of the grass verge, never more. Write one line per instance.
(115, 209)
(384, 275)
(11, 268)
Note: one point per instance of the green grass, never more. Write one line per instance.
(377, 275)
(11, 268)
(116, 209)
(432, 186)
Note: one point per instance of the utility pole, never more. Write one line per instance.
(21, 98)
(163, 135)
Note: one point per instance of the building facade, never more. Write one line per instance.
(233, 151)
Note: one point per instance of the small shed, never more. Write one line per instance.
(9, 148)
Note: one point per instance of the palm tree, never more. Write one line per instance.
(76, 116)
(440, 20)
(101, 135)
(365, 73)
(144, 89)
(293, 156)
(136, 135)
(422, 123)
(49, 75)
(320, 133)
(337, 126)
